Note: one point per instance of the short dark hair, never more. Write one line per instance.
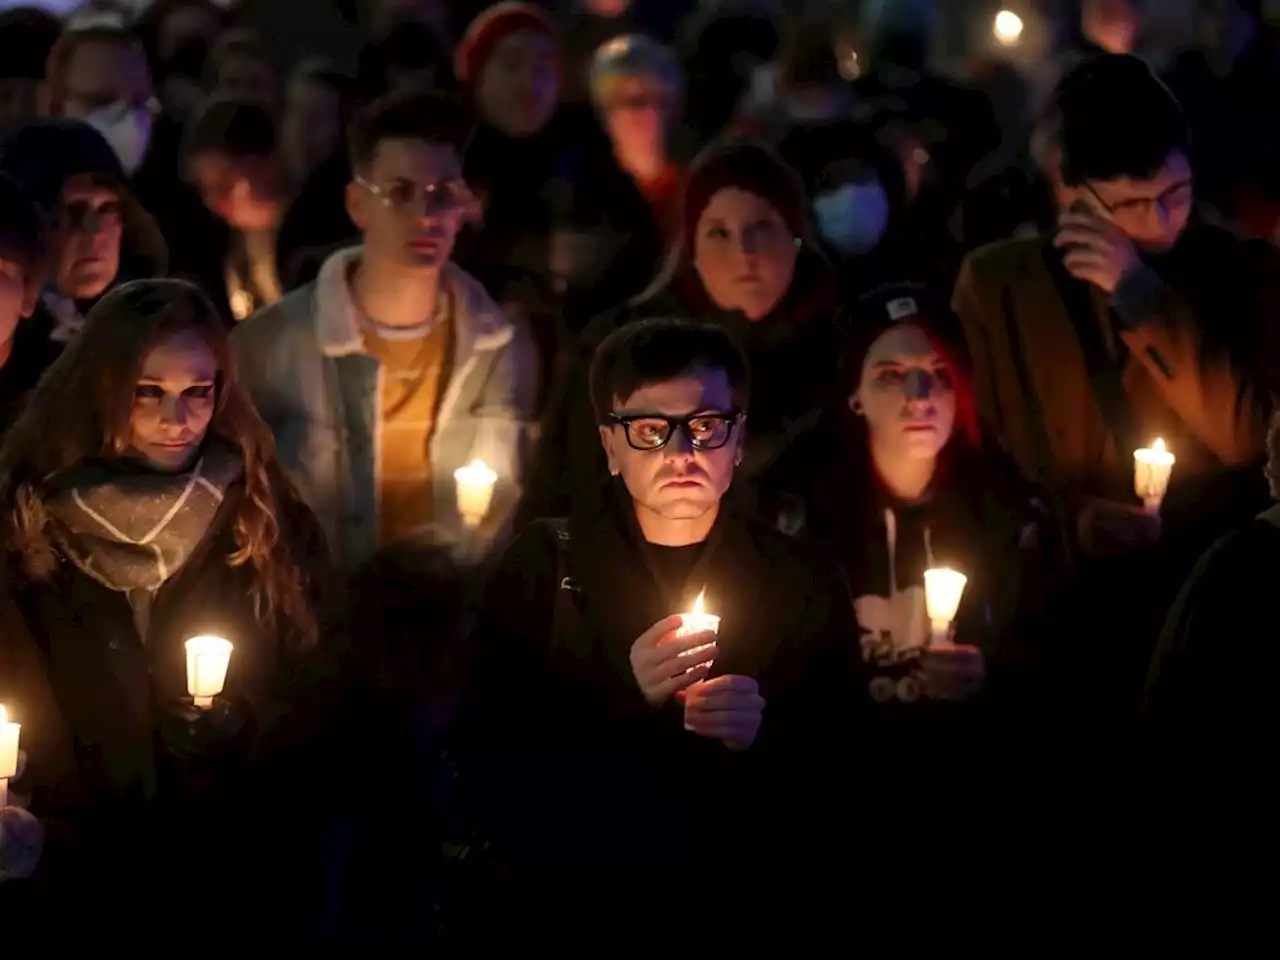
(21, 227)
(405, 115)
(1117, 120)
(237, 128)
(646, 352)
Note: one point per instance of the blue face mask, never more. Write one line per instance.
(853, 218)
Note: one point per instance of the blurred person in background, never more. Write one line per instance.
(723, 49)
(317, 106)
(26, 347)
(1226, 85)
(638, 91)
(99, 234)
(240, 66)
(231, 153)
(178, 35)
(806, 84)
(387, 15)
(27, 35)
(858, 196)
(99, 74)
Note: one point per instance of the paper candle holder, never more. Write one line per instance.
(1152, 468)
(207, 660)
(943, 589)
(474, 483)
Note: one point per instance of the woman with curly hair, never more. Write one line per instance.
(143, 505)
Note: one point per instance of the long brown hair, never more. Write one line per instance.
(81, 410)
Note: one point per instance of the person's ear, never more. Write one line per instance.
(357, 203)
(607, 441)
(855, 404)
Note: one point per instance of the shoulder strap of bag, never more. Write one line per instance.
(566, 613)
(1104, 372)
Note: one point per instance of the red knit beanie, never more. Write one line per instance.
(489, 27)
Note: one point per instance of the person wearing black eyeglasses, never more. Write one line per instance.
(631, 739)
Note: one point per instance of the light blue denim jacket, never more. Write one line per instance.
(305, 366)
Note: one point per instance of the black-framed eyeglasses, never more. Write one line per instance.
(653, 431)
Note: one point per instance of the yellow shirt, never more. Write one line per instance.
(414, 372)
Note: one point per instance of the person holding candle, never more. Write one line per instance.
(587, 687)
(395, 368)
(154, 511)
(898, 482)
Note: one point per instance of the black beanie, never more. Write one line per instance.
(42, 155)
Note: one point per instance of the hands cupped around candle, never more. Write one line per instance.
(663, 663)
(727, 708)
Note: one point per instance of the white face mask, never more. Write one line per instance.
(853, 218)
(127, 128)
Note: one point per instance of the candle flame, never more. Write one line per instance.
(697, 604)
(1158, 444)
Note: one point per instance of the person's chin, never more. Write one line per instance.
(169, 458)
(676, 503)
(921, 444)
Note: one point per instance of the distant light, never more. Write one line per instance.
(1007, 28)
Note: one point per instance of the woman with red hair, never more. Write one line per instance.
(900, 481)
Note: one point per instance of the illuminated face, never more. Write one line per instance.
(411, 203)
(637, 115)
(86, 238)
(100, 74)
(744, 252)
(907, 395)
(173, 402)
(678, 472)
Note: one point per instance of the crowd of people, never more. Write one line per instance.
(629, 455)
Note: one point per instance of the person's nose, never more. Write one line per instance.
(680, 447)
(919, 387)
(173, 411)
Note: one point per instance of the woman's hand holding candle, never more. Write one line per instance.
(727, 708)
(951, 672)
(660, 659)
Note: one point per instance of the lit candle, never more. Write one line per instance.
(1007, 27)
(1151, 469)
(8, 754)
(697, 621)
(943, 588)
(207, 661)
(475, 484)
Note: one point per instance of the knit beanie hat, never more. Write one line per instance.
(489, 28)
(748, 165)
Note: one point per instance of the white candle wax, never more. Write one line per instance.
(943, 588)
(207, 661)
(1152, 467)
(475, 483)
(9, 735)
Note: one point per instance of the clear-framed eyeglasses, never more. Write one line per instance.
(431, 199)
